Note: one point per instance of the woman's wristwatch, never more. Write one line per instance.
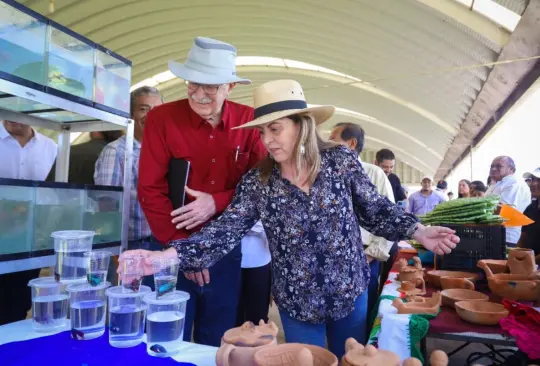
(412, 230)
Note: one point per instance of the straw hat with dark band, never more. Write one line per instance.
(283, 98)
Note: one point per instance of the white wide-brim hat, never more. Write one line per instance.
(209, 62)
(535, 174)
(283, 98)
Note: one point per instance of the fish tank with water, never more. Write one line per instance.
(113, 80)
(22, 44)
(31, 210)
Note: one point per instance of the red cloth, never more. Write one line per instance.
(523, 323)
(174, 130)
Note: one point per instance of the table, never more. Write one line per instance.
(448, 325)
(19, 331)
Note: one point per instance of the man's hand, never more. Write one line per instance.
(196, 213)
(200, 278)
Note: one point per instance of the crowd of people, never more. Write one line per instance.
(273, 210)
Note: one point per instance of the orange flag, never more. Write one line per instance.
(514, 217)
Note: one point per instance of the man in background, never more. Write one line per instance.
(442, 187)
(512, 191)
(530, 234)
(376, 248)
(386, 160)
(425, 200)
(25, 154)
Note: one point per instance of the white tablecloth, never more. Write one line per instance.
(195, 353)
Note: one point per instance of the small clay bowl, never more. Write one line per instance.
(434, 277)
(497, 265)
(481, 312)
(451, 296)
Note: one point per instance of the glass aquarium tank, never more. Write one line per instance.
(113, 80)
(70, 64)
(103, 213)
(22, 44)
(16, 214)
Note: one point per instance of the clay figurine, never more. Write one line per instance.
(521, 261)
(518, 287)
(448, 283)
(294, 354)
(409, 287)
(238, 345)
(434, 277)
(410, 273)
(358, 355)
(429, 306)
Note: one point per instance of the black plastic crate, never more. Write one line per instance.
(477, 242)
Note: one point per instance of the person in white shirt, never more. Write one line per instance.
(255, 291)
(25, 154)
(378, 249)
(513, 192)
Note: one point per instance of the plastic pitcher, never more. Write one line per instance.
(165, 318)
(69, 247)
(127, 313)
(49, 304)
(88, 305)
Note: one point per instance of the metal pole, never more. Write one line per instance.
(62, 159)
(128, 166)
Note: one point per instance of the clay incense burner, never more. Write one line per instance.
(513, 286)
(434, 277)
(410, 273)
(521, 261)
(429, 306)
(456, 282)
(294, 354)
(451, 296)
(239, 345)
(481, 312)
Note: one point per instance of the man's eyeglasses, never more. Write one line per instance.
(208, 89)
(497, 166)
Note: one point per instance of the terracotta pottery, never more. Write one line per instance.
(412, 362)
(358, 355)
(409, 287)
(438, 358)
(481, 312)
(238, 345)
(513, 286)
(497, 265)
(521, 261)
(430, 306)
(434, 277)
(456, 282)
(451, 296)
(294, 354)
(410, 273)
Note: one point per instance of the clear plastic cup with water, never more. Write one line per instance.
(127, 314)
(165, 317)
(98, 266)
(69, 247)
(165, 275)
(49, 304)
(132, 272)
(88, 308)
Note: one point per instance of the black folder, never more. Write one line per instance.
(177, 178)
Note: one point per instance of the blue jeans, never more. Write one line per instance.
(335, 331)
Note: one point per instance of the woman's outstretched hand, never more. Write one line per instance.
(146, 262)
(440, 240)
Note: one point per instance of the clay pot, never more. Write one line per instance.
(456, 282)
(438, 358)
(429, 306)
(410, 273)
(358, 355)
(451, 296)
(294, 354)
(497, 265)
(434, 277)
(521, 261)
(513, 286)
(481, 312)
(409, 287)
(239, 345)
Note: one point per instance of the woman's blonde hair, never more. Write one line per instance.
(310, 158)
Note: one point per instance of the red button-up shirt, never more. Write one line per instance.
(174, 130)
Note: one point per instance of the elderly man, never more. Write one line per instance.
(199, 129)
(512, 191)
(425, 200)
(378, 249)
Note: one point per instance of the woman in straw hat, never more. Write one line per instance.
(311, 196)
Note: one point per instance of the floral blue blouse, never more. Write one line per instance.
(319, 266)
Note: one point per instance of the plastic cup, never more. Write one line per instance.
(165, 318)
(132, 273)
(49, 304)
(88, 305)
(127, 313)
(98, 266)
(70, 246)
(165, 275)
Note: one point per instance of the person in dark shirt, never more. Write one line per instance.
(530, 234)
(386, 160)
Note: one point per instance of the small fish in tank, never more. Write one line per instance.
(157, 348)
(164, 289)
(93, 279)
(77, 334)
(134, 285)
